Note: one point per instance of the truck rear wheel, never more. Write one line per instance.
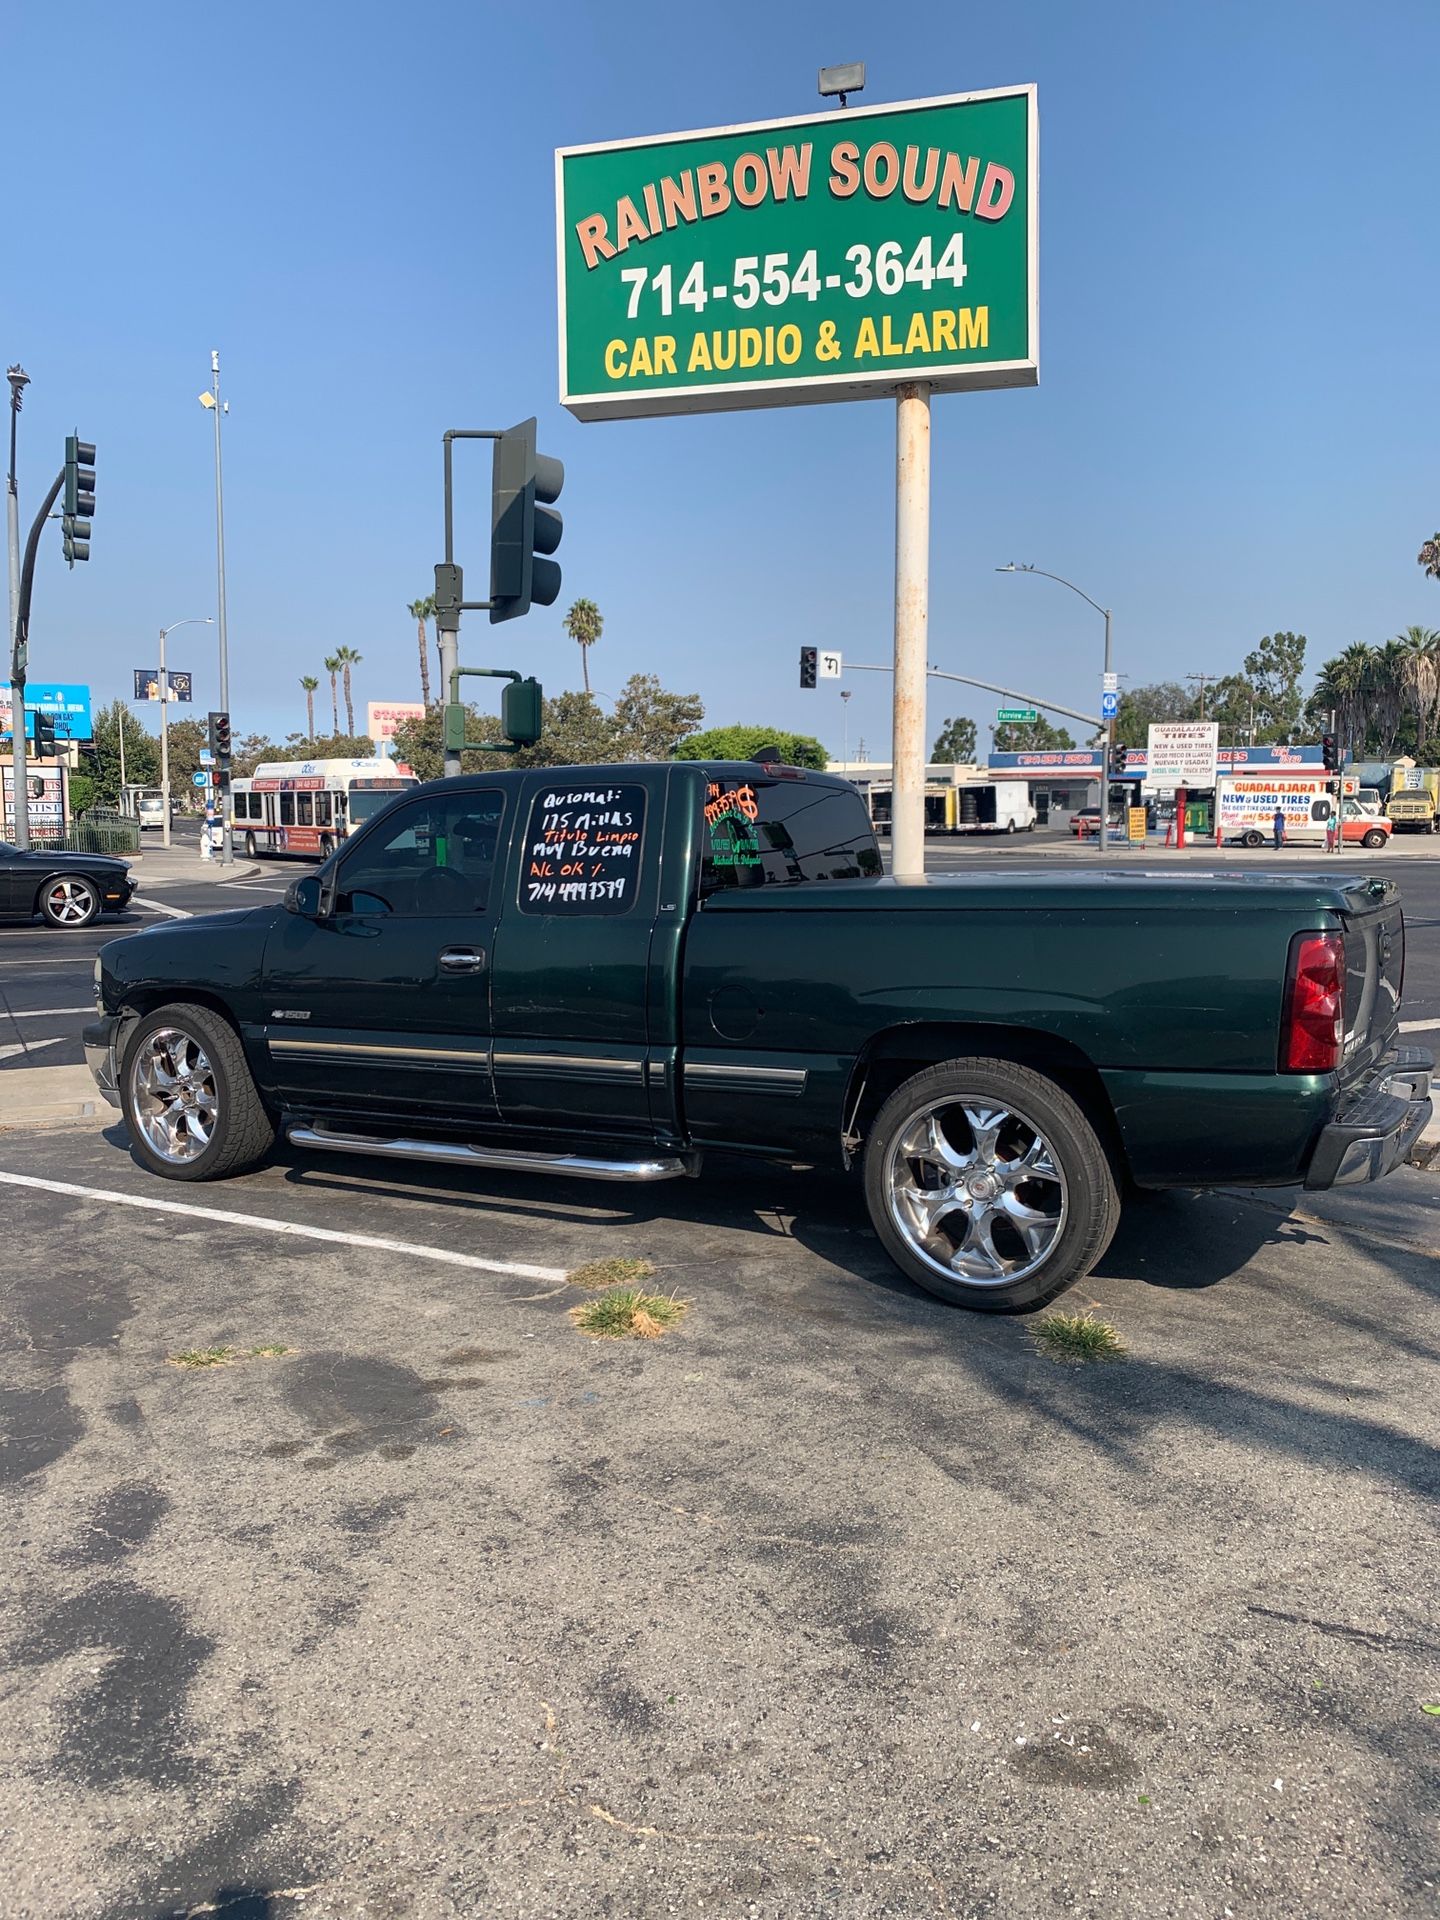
(988, 1185)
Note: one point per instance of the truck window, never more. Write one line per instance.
(766, 832)
(583, 849)
(429, 857)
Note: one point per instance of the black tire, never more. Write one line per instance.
(1091, 1201)
(1375, 838)
(1252, 839)
(68, 901)
(243, 1132)
(250, 847)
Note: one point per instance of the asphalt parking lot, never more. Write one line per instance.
(831, 1601)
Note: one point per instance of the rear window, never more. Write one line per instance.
(780, 833)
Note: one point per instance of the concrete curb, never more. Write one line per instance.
(51, 1096)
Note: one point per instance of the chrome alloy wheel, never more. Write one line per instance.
(69, 903)
(976, 1190)
(173, 1095)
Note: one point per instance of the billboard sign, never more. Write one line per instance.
(45, 786)
(382, 717)
(147, 684)
(68, 706)
(1182, 753)
(825, 258)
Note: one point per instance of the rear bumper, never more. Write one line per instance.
(98, 1040)
(1374, 1134)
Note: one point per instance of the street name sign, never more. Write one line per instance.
(825, 258)
(1182, 753)
(1019, 716)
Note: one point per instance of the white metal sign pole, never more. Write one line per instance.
(912, 625)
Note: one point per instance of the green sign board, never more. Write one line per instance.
(828, 258)
(1019, 715)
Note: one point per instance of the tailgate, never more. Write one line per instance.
(1374, 970)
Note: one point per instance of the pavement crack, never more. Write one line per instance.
(1338, 1630)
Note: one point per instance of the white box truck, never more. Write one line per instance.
(1245, 805)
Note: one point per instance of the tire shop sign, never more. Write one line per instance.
(827, 258)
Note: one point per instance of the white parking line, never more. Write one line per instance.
(154, 906)
(45, 1013)
(1419, 1026)
(445, 1255)
(28, 1046)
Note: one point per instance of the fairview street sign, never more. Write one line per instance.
(827, 258)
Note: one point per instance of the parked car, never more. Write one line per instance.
(64, 889)
(607, 971)
(1087, 820)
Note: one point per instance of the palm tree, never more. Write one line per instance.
(1420, 677)
(348, 658)
(584, 623)
(309, 682)
(1429, 556)
(332, 667)
(421, 611)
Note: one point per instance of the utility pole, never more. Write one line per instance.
(164, 745)
(19, 380)
(845, 710)
(1204, 679)
(213, 402)
(912, 621)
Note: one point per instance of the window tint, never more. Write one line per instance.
(305, 809)
(287, 809)
(322, 809)
(779, 832)
(427, 857)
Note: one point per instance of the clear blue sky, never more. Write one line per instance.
(1236, 426)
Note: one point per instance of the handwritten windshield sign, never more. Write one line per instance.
(582, 854)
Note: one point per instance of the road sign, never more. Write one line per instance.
(822, 258)
(829, 665)
(207, 758)
(200, 779)
(1109, 705)
(1018, 716)
(1182, 753)
(1110, 683)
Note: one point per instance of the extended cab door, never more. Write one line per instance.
(584, 981)
(384, 1007)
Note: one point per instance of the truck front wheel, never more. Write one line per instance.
(988, 1185)
(188, 1097)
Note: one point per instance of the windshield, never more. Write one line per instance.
(366, 803)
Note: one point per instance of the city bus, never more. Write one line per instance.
(309, 806)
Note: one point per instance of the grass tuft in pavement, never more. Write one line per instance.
(597, 1274)
(194, 1358)
(1077, 1338)
(626, 1313)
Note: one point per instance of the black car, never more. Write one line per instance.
(65, 889)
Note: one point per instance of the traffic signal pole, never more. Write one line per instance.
(19, 667)
(1109, 754)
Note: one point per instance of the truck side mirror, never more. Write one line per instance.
(305, 896)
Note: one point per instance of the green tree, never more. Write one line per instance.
(1276, 669)
(101, 761)
(332, 746)
(584, 623)
(250, 750)
(82, 793)
(333, 665)
(309, 682)
(348, 658)
(1151, 705)
(743, 743)
(187, 737)
(650, 722)
(1429, 556)
(1032, 736)
(1420, 676)
(420, 612)
(955, 743)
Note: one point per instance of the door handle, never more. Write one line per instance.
(462, 959)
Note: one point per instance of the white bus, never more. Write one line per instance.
(309, 806)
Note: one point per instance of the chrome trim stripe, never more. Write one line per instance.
(570, 1063)
(753, 1079)
(470, 1055)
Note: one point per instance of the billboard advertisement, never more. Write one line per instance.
(46, 789)
(147, 684)
(823, 258)
(69, 706)
(382, 717)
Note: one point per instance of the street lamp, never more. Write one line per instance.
(197, 621)
(1104, 834)
(212, 402)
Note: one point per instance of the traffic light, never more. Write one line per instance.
(79, 498)
(523, 525)
(809, 665)
(1119, 754)
(220, 737)
(1330, 752)
(44, 735)
(521, 711)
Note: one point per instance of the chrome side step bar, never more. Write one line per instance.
(460, 1153)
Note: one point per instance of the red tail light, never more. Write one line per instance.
(1312, 1034)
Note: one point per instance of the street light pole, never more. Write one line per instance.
(19, 380)
(1103, 836)
(213, 402)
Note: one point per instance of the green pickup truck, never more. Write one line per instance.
(606, 971)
